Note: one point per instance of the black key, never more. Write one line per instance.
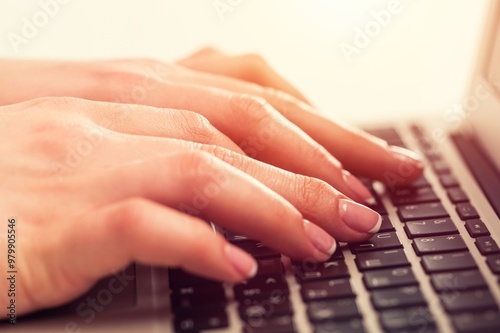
(418, 319)
(397, 297)
(487, 245)
(381, 259)
(276, 324)
(337, 255)
(466, 211)
(420, 182)
(271, 266)
(260, 287)
(179, 278)
(336, 309)
(475, 322)
(476, 228)
(386, 224)
(258, 250)
(197, 296)
(458, 281)
(195, 321)
(456, 195)
(322, 270)
(440, 167)
(257, 309)
(448, 180)
(430, 228)
(325, 289)
(422, 211)
(378, 207)
(394, 277)
(437, 263)
(235, 238)
(405, 196)
(380, 241)
(473, 300)
(438, 244)
(354, 325)
(493, 262)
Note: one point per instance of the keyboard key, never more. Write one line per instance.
(493, 262)
(448, 180)
(277, 324)
(438, 244)
(235, 238)
(466, 211)
(397, 297)
(337, 255)
(437, 263)
(394, 277)
(258, 250)
(268, 267)
(417, 319)
(179, 278)
(422, 211)
(407, 196)
(378, 207)
(386, 224)
(381, 259)
(325, 289)
(433, 227)
(195, 321)
(336, 309)
(464, 280)
(254, 309)
(324, 270)
(197, 296)
(380, 241)
(476, 228)
(456, 195)
(487, 245)
(354, 325)
(475, 322)
(474, 300)
(260, 287)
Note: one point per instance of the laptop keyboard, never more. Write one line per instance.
(264, 303)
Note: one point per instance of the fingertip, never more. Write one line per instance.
(242, 262)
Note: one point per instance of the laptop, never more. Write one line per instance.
(433, 267)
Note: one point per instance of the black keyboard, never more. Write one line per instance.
(330, 301)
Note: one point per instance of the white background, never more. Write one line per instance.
(418, 63)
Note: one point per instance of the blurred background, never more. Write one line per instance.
(363, 61)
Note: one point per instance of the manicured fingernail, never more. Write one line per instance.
(321, 240)
(358, 188)
(241, 261)
(359, 217)
(407, 156)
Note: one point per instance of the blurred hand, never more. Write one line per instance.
(97, 185)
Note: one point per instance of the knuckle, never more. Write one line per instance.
(309, 190)
(251, 110)
(225, 155)
(194, 164)
(198, 127)
(131, 213)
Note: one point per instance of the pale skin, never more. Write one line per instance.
(104, 162)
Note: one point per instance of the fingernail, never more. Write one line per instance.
(359, 217)
(358, 188)
(241, 261)
(321, 240)
(407, 156)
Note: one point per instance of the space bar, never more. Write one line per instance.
(482, 168)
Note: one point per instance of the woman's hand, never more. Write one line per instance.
(94, 186)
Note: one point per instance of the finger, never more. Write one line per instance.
(139, 230)
(262, 133)
(157, 122)
(358, 151)
(202, 185)
(316, 200)
(249, 67)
